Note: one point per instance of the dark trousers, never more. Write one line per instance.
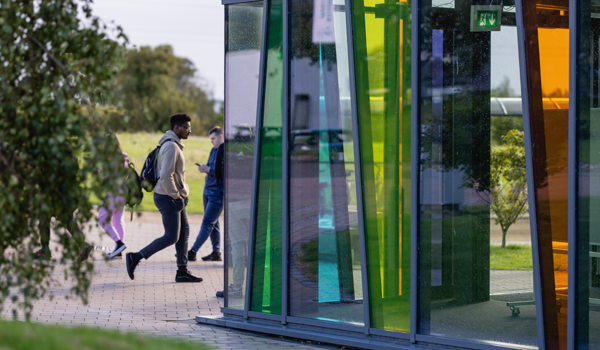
(213, 207)
(177, 228)
(72, 228)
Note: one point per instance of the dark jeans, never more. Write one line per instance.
(213, 207)
(177, 228)
(72, 228)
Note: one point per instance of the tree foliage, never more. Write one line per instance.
(154, 84)
(503, 89)
(508, 181)
(457, 141)
(53, 66)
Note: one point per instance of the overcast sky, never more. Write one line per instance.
(195, 30)
(505, 58)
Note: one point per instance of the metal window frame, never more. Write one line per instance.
(230, 311)
(285, 164)
(225, 212)
(234, 2)
(391, 334)
(325, 324)
(529, 171)
(415, 167)
(256, 160)
(575, 49)
(358, 169)
(470, 344)
(264, 316)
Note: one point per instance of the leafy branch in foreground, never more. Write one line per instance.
(53, 65)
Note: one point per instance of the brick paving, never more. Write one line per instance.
(510, 282)
(153, 303)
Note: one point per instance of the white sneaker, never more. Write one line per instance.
(118, 249)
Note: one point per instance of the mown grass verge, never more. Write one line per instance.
(32, 336)
(513, 257)
(197, 150)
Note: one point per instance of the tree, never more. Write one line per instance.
(508, 186)
(55, 62)
(155, 84)
(503, 89)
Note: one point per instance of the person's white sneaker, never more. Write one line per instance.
(118, 249)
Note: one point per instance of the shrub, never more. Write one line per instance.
(54, 64)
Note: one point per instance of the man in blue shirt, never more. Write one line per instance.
(213, 198)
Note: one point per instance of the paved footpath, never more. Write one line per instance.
(153, 303)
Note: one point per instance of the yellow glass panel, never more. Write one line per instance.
(382, 57)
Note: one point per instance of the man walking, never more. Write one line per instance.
(171, 198)
(213, 198)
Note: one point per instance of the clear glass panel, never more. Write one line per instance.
(547, 49)
(382, 32)
(511, 263)
(266, 277)
(325, 274)
(242, 56)
(588, 147)
(472, 185)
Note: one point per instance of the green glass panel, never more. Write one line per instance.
(266, 277)
(382, 32)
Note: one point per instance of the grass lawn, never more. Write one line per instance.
(197, 149)
(513, 257)
(26, 336)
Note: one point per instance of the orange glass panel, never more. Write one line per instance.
(547, 50)
(554, 64)
(554, 71)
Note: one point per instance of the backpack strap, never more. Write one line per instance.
(167, 140)
(159, 146)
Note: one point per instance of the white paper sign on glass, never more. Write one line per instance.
(323, 30)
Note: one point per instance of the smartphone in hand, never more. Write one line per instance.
(197, 164)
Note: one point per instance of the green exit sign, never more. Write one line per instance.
(485, 18)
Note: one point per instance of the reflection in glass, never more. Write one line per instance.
(266, 277)
(546, 27)
(468, 288)
(242, 57)
(325, 274)
(382, 32)
(587, 325)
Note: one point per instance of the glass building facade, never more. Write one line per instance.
(384, 190)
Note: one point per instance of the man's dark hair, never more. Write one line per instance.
(179, 119)
(217, 130)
